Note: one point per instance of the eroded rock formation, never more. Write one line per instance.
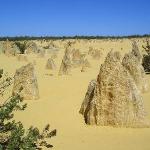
(95, 53)
(146, 57)
(132, 62)
(136, 52)
(25, 83)
(31, 48)
(10, 49)
(77, 58)
(65, 67)
(50, 64)
(113, 99)
(85, 64)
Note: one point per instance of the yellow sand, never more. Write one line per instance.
(60, 101)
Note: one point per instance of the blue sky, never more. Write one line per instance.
(74, 17)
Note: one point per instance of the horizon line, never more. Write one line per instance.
(73, 36)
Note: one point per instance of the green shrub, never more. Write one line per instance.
(13, 135)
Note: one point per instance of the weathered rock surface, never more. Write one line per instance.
(25, 81)
(95, 53)
(10, 49)
(146, 58)
(41, 52)
(65, 67)
(113, 99)
(1, 72)
(136, 52)
(50, 64)
(132, 63)
(146, 63)
(31, 48)
(73, 58)
(88, 97)
(76, 58)
(85, 65)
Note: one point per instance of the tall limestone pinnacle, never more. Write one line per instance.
(65, 67)
(26, 81)
(132, 62)
(114, 98)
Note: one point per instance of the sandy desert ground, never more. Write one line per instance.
(61, 98)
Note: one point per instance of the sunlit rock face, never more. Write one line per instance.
(50, 65)
(132, 62)
(10, 48)
(136, 51)
(95, 53)
(31, 48)
(85, 65)
(113, 99)
(25, 81)
(65, 67)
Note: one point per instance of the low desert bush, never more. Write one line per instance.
(13, 135)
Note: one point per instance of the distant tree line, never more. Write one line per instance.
(22, 38)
